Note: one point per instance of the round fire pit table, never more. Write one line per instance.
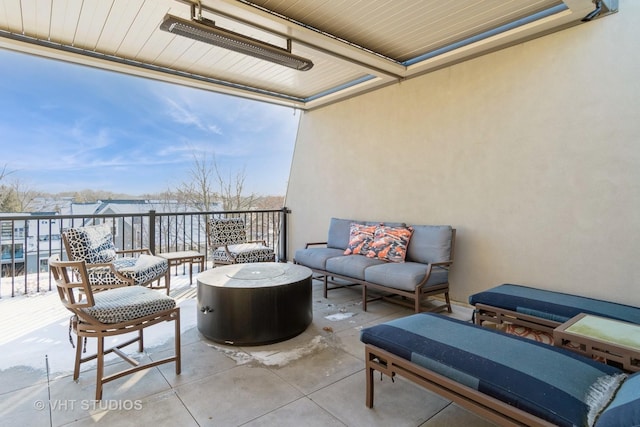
(256, 303)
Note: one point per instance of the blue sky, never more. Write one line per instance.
(65, 127)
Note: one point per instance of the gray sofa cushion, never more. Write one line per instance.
(351, 265)
(429, 243)
(404, 276)
(316, 257)
(338, 237)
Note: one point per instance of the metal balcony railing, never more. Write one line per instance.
(27, 241)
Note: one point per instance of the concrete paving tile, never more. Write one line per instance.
(26, 406)
(398, 403)
(17, 377)
(72, 400)
(320, 369)
(199, 359)
(162, 409)
(236, 396)
(300, 412)
(455, 416)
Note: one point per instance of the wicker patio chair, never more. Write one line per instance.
(228, 240)
(110, 313)
(111, 268)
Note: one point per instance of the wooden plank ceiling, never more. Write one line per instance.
(355, 46)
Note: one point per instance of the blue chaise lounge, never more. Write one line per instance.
(541, 309)
(507, 379)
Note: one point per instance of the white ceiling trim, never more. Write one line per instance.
(363, 69)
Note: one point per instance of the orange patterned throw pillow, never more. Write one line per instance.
(360, 237)
(390, 243)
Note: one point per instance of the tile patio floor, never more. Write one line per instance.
(314, 379)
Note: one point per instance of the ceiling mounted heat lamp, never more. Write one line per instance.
(205, 30)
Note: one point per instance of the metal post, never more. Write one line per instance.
(152, 231)
(283, 235)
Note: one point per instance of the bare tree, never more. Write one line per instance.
(198, 191)
(204, 175)
(4, 172)
(231, 190)
(15, 196)
(24, 195)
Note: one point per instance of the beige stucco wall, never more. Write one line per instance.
(532, 153)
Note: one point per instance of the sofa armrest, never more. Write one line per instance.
(306, 246)
(443, 264)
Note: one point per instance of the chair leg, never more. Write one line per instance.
(369, 388)
(446, 297)
(177, 342)
(76, 368)
(167, 280)
(364, 297)
(99, 367)
(140, 341)
(326, 285)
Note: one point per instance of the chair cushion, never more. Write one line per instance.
(143, 268)
(552, 383)
(551, 305)
(316, 257)
(244, 253)
(93, 244)
(624, 409)
(404, 276)
(227, 231)
(128, 303)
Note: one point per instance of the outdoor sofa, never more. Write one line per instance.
(410, 262)
(540, 309)
(507, 379)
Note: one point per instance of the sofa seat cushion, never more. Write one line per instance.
(129, 303)
(244, 253)
(555, 306)
(552, 383)
(404, 276)
(353, 266)
(316, 258)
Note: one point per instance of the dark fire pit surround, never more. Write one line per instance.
(254, 304)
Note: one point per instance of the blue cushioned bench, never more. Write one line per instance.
(542, 309)
(507, 379)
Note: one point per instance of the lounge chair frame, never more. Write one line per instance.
(485, 406)
(499, 316)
